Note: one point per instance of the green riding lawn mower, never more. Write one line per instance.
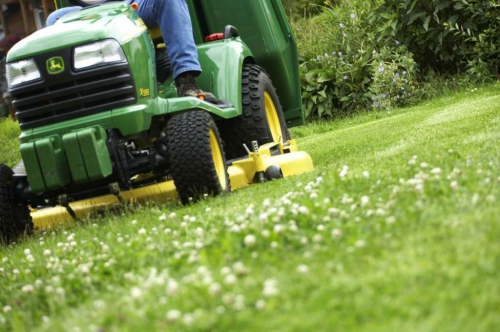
(99, 131)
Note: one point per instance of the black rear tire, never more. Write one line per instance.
(198, 163)
(15, 218)
(262, 119)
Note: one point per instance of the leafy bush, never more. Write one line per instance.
(394, 80)
(445, 36)
(341, 60)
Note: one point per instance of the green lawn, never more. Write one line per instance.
(397, 229)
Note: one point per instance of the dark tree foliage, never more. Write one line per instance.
(445, 36)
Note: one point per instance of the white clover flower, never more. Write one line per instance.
(390, 220)
(99, 304)
(341, 25)
(240, 269)
(343, 172)
(270, 288)
(302, 269)
(230, 279)
(317, 238)
(303, 210)
(265, 233)
(436, 171)
(27, 252)
(365, 200)
(278, 228)
(336, 233)
(84, 269)
(249, 211)
(360, 243)
(225, 270)
(274, 245)
(7, 308)
(366, 174)
(173, 315)
(250, 240)
(353, 16)
(136, 292)
(333, 211)
(454, 185)
(260, 305)
(172, 287)
(163, 217)
(134, 222)
(15, 271)
(235, 229)
(264, 217)
(188, 319)
(28, 289)
(5, 259)
(30, 258)
(214, 288)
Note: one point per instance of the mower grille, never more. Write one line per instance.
(72, 94)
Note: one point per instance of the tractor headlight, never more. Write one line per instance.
(99, 53)
(22, 72)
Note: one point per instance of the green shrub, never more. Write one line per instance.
(340, 61)
(445, 36)
(394, 80)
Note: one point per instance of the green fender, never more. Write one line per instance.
(222, 63)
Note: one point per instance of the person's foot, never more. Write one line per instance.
(187, 86)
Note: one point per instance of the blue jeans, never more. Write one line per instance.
(172, 16)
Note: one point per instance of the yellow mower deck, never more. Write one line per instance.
(242, 173)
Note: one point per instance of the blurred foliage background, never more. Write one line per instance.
(381, 54)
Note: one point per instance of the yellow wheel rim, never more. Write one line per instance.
(220, 168)
(272, 118)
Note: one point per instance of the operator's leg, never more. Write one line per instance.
(172, 16)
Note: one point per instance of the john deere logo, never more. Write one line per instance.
(55, 65)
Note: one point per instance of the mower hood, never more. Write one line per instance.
(115, 20)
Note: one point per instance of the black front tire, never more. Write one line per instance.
(15, 218)
(197, 159)
(262, 117)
